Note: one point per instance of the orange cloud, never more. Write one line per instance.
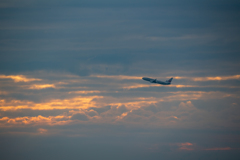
(42, 86)
(122, 116)
(218, 78)
(19, 78)
(182, 86)
(85, 92)
(79, 102)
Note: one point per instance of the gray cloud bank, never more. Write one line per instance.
(174, 36)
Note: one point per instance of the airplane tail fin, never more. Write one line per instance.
(170, 80)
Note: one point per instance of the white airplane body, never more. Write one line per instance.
(157, 81)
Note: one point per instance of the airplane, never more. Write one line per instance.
(168, 82)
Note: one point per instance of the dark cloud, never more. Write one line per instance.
(79, 116)
(149, 146)
(102, 109)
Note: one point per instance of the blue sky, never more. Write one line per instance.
(71, 87)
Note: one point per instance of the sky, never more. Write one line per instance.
(71, 79)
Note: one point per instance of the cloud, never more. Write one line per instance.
(130, 110)
(186, 146)
(137, 103)
(79, 116)
(85, 92)
(32, 113)
(91, 113)
(197, 95)
(42, 86)
(84, 100)
(79, 102)
(38, 120)
(186, 106)
(102, 109)
(218, 78)
(19, 78)
(116, 112)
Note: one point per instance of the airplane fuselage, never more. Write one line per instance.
(155, 81)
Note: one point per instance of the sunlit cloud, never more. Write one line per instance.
(109, 110)
(39, 120)
(85, 92)
(42, 86)
(122, 115)
(84, 102)
(104, 103)
(19, 78)
(218, 78)
(183, 86)
(73, 103)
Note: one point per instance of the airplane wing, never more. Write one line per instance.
(168, 82)
(149, 79)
